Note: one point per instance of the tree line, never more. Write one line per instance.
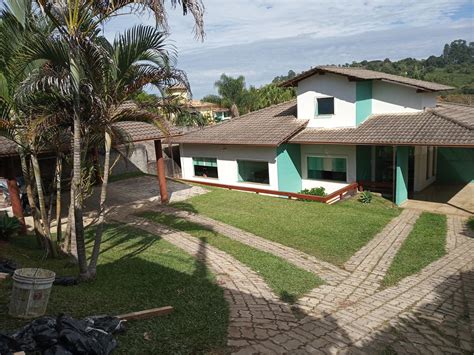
(454, 67)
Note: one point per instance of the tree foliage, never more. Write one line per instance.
(455, 66)
(234, 94)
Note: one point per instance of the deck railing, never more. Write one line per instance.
(331, 198)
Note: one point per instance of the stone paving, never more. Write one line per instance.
(255, 311)
(431, 312)
(329, 272)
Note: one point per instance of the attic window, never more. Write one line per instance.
(324, 106)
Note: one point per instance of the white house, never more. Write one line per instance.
(347, 125)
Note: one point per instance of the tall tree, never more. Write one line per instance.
(232, 92)
(78, 25)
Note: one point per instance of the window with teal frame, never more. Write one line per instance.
(321, 168)
(253, 171)
(324, 106)
(205, 167)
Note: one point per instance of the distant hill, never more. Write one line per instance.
(454, 67)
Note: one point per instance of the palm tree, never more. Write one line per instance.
(232, 92)
(137, 58)
(19, 23)
(78, 24)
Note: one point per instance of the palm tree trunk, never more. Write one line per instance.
(59, 171)
(44, 216)
(31, 199)
(103, 196)
(78, 229)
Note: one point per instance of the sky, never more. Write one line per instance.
(261, 39)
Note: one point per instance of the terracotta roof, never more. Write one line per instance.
(268, 127)
(365, 74)
(419, 128)
(462, 114)
(7, 147)
(138, 132)
(142, 131)
(198, 104)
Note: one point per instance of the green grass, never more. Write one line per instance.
(137, 271)
(470, 223)
(425, 244)
(285, 279)
(330, 232)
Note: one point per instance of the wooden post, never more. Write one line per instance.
(15, 199)
(160, 171)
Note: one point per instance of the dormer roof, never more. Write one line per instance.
(359, 74)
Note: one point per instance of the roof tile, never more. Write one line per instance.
(270, 126)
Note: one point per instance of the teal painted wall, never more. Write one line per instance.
(455, 165)
(401, 187)
(363, 100)
(363, 162)
(289, 167)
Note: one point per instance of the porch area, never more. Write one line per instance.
(429, 178)
(446, 199)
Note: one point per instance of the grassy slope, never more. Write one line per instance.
(425, 244)
(330, 232)
(286, 280)
(137, 271)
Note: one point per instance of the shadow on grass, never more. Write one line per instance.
(162, 275)
(139, 271)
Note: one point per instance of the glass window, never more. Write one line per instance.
(253, 171)
(320, 168)
(205, 167)
(324, 106)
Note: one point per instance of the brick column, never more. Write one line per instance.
(160, 171)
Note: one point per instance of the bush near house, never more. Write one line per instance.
(315, 191)
(9, 226)
(365, 197)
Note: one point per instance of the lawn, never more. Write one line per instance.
(330, 232)
(470, 223)
(425, 243)
(137, 271)
(286, 280)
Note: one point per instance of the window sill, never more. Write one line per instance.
(205, 177)
(254, 183)
(338, 181)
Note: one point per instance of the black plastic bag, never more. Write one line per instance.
(65, 335)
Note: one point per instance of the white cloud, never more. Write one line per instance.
(264, 38)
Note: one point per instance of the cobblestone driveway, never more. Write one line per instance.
(431, 312)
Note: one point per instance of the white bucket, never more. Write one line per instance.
(30, 294)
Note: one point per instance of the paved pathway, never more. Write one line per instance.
(329, 272)
(428, 313)
(255, 311)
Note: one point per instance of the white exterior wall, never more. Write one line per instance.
(388, 98)
(329, 151)
(227, 156)
(327, 85)
(421, 182)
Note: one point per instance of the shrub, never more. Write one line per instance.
(9, 226)
(365, 197)
(315, 191)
